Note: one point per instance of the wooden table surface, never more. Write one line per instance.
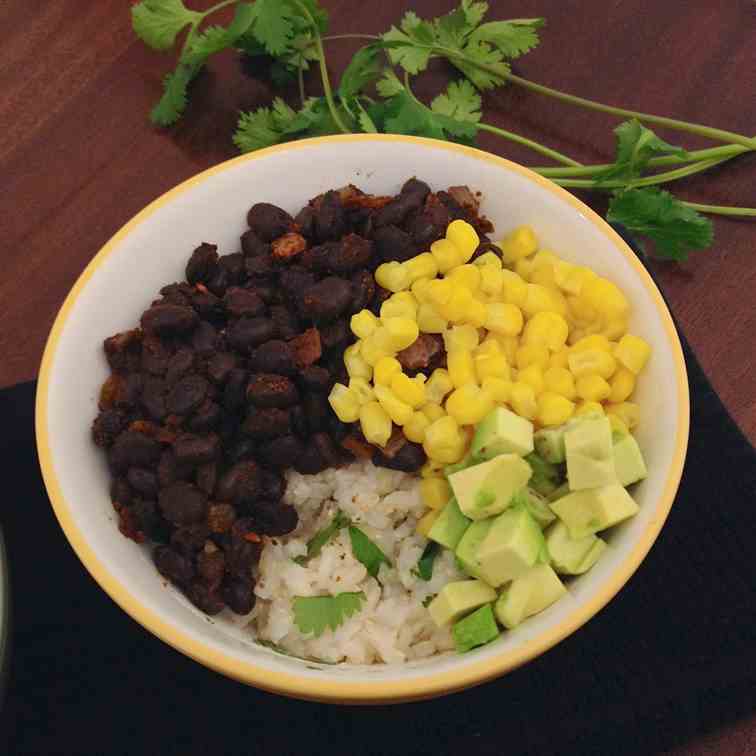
(78, 158)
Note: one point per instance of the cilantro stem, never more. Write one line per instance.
(547, 151)
(746, 212)
(217, 7)
(331, 37)
(300, 81)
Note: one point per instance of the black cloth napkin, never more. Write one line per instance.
(672, 655)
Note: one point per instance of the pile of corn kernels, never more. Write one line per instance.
(524, 329)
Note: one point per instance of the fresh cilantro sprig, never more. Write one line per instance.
(321, 538)
(366, 551)
(424, 569)
(316, 614)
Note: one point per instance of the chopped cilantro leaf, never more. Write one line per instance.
(314, 614)
(425, 563)
(173, 102)
(158, 22)
(460, 101)
(366, 551)
(321, 538)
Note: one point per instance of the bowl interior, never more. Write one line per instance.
(152, 250)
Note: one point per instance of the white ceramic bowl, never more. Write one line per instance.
(152, 249)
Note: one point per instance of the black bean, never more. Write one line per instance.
(416, 188)
(182, 503)
(206, 417)
(391, 243)
(143, 481)
(189, 539)
(268, 221)
(316, 377)
(264, 424)
(235, 391)
(310, 461)
(122, 350)
(207, 305)
(173, 565)
(427, 227)
(273, 518)
(281, 452)
(410, 458)
(336, 429)
(286, 322)
(220, 517)
(327, 449)
(327, 299)
(204, 338)
(239, 595)
(317, 411)
(268, 293)
(244, 448)
(295, 281)
(242, 555)
(155, 356)
(186, 395)
(210, 568)
(204, 599)
(298, 421)
(240, 302)
(233, 264)
(260, 269)
(271, 390)
(120, 492)
(169, 320)
(181, 362)
(394, 213)
(252, 245)
(318, 258)
(219, 281)
(176, 293)
(352, 253)
(363, 290)
(246, 333)
(275, 356)
(335, 335)
(330, 220)
(202, 263)
(153, 398)
(220, 365)
(133, 449)
(272, 484)
(149, 521)
(245, 473)
(207, 476)
(305, 220)
(107, 425)
(195, 450)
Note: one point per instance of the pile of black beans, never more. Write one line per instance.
(224, 385)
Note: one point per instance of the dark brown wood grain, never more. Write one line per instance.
(78, 157)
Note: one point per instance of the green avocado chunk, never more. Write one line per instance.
(528, 594)
(502, 432)
(587, 512)
(467, 548)
(475, 630)
(572, 556)
(458, 598)
(547, 477)
(589, 454)
(549, 443)
(449, 526)
(628, 461)
(486, 489)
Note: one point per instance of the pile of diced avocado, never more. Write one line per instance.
(525, 509)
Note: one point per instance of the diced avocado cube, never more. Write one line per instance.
(549, 443)
(458, 598)
(502, 432)
(538, 508)
(546, 476)
(528, 594)
(628, 461)
(467, 548)
(449, 526)
(475, 630)
(486, 489)
(512, 545)
(572, 556)
(463, 464)
(587, 512)
(589, 454)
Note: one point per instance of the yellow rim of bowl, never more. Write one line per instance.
(434, 683)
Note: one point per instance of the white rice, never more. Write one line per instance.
(393, 626)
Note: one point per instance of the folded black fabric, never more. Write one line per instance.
(673, 654)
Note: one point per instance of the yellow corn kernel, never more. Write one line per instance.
(421, 266)
(488, 258)
(592, 387)
(375, 423)
(559, 359)
(362, 389)
(461, 368)
(371, 351)
(546, 329)
(400, 305)
(363, 324)
(414, 429)
(469, 404)
(554, 409)
(432, 469)
(408, 390)
(562, 271)
(439, 291)
(344, 403)
(531, 354)
(385, 369)
(444, 441)
(433, 411)
(622, 384)
(464, 337)
(403, 332)
(523, 400)
(575, 278)
(615, 328)
(458, 305)
(425, 523)
(435, 492)
(446, 254)
(438, 386)
(592, 361)
(617, 425)
(429, 321)
(628, 412)
(467, 275)
(596, 341)
(491, 279)
(505, 319)
(499, 389)
(541, 299)
(589, 408)
(542, 273)
(400, 412)
(420, 378)
(354, 362)
(580, 311)
(632, 352)
(419, 290)
(509, 346)
(533, 376)
(605, 297)
(392, 276)
(464, 237)
(476, 313)
(514, 288)
(489, 360)
(524, 268)
(520, 243)
(559, 380)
